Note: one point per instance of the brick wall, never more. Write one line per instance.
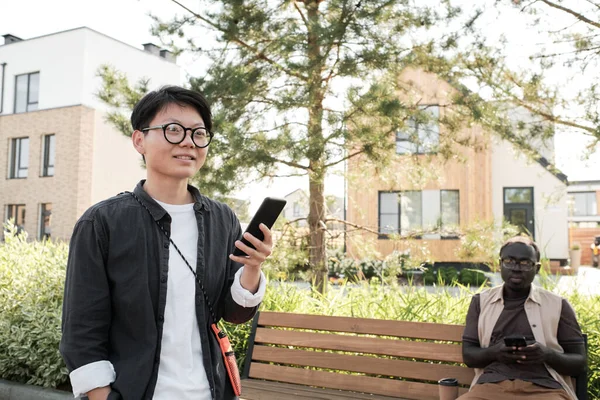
(69, 189)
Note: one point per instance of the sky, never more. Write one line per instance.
(129, 22)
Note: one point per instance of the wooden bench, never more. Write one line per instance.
(298, 356)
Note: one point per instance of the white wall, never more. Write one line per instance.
(544, 146)
(59, 59)
(116, 165)
(68, 62)
(593, 186)
(135, 63)
(301, 198)
(511, 169)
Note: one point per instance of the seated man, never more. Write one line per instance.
(555, 348)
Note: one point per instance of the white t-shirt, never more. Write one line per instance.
(181, 373)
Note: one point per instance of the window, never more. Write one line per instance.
(518, 196)
(16, 213)
(19, 158)
(296, 209)
(584, 204)
(411, 212)
(388, 212)
(422, 134)
(48, 154)
(414, 211)
(27, 92)
(45, 214)
(450, 209)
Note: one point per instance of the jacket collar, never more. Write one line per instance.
(200, 202)
(498, 295)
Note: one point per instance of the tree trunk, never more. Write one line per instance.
(316, 215)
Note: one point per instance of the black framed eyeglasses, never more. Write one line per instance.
(521, 265)
(175, 134)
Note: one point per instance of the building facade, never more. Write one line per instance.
(58, 154)
(584, 216)
(489, 182)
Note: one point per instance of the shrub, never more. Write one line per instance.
(32, 277)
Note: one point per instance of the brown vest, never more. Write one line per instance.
(543, 310)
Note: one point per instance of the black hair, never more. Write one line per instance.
(526, 240)
(153, 102)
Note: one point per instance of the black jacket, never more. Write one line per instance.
(116, 289)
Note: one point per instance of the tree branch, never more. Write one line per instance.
(278, 127)
(284, 175)
(577, 15)
(301, 14)
(344, 159)
(358, 227)
(260, 54)
(549, 117)
(577, 51)
(288, 163)
(594, 4)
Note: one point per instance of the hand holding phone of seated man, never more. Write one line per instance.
(516, 349)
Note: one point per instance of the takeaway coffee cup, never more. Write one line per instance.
(448, 388)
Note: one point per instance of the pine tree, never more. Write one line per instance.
(300, 86)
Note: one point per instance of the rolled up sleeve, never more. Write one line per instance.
(244, 297)
(86, 310)
(91, 376)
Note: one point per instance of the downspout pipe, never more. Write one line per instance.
(2, 92)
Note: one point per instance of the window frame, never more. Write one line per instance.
(28, 103)
(16, 208)
(399, 212)
(42, 222)
(418, 147)
(379, 196)
(15, 158)
(401, 193)
(457, 191)
(46, 155)
(588, 194)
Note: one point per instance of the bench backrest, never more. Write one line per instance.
(305, 349)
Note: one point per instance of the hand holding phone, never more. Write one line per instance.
(515, 341)
(267, 214)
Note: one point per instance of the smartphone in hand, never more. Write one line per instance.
(515, 341)
(267, 214)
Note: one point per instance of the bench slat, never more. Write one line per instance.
(256, 389)
(332, 380)
(368, 365)
(361, 344)
(415, 330)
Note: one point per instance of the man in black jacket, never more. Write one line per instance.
(149, 272)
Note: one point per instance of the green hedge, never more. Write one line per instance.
(31, 287)
(32, 277)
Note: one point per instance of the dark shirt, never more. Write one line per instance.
(116, 289)
(513, 320)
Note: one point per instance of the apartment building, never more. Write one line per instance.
(58, 154)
